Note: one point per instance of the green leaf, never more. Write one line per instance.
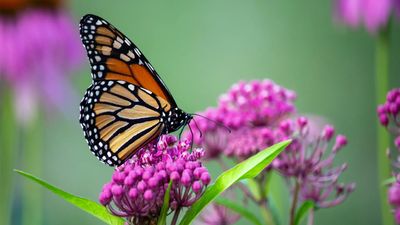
(254, 188)
(278, 199)
(389, 181)
(162, 219)
(244, 170)
(238, 208)
(86, 205)
(302, 211)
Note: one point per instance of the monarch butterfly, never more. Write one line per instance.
(127, 105)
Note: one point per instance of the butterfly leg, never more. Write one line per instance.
(180, 133)
(191, 136)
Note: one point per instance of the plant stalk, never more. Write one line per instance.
(294, 202)
(176, 216)
(32, 154)
(263, 202)
(310, 217)
(8, 150)
(383, 138)
(266, 214)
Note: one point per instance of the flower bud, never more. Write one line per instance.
(341, 141)
(133, 193)
(148, 195)
(186, 178)
(328, 132)
(394, 194)
(175, 176)
(117, 191)
(197, 186)
(383, 119)
(205, 178)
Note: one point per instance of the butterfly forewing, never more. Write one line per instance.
(127, 106)
(114, 57)
(118, 118)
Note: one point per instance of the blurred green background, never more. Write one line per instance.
(200, 48)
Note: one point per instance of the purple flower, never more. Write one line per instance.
(376, 14)
(325, 195)
(246, 142)
(215, 214)
(373, 14)
(309, 163)
(248, 110)
(41, 47)
(348, 12)
(389, 114)
(394, 199)
(256, 103)
(260, 114)
(136, 191)
(394, 194)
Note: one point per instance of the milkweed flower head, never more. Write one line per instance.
(248, 110)
(373, 14)
(40, 49)
(262, 113)
(136, 191)
(215, 214)
(394, 199)
(388, 115)
(309, 161)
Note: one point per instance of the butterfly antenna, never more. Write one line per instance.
(216, 122)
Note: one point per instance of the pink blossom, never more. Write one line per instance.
(137, 188)
(40, 49)
(373, 14)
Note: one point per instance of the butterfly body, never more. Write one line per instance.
(128, 105)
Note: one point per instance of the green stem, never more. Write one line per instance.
(294, 203)
(32, 153)
(176, 216)
(8, 136)
(383, 139)
(311, 217)
(266, 214)
(263, 202)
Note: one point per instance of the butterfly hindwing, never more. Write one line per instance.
(114, 57)
(118, 118)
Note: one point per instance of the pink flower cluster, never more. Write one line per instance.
(394, 199)
(389, 116)
(374, 14)
(247, 110)
(40, 48)
(260, 114)
(215, 214)
(308, 161)
(136, 191)
(257, 103)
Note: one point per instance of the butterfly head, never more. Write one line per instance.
(175, 119)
